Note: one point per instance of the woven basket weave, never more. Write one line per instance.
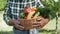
(27, 23)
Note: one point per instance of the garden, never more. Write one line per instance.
(51, 28)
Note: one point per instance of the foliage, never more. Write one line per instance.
(53, 5)
(45, 12)
(2, 4)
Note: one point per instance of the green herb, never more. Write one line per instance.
(21, 15)
(45, 12)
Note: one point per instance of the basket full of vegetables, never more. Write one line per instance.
(28, 16)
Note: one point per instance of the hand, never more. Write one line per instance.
(26, 22)
(16, 24)
(40, 22)
(37, 23)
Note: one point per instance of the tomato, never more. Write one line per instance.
(27, 9)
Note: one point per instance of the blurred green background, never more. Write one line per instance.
(48, 29)
(2, 4)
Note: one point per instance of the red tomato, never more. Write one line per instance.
(27, 9)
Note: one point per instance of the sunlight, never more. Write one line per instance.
(56, 0)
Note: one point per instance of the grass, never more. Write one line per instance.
(2, 4)
(48, 29)
(5, 32)
(43, 31)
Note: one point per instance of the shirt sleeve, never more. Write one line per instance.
(7, 13)
(39, 4)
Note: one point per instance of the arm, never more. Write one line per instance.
(7, 16)
(7, 13)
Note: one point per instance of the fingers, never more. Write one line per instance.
(36, 25)
(19, 27)
(16, 22)
(38, 19)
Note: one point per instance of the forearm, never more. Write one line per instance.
(11, 22)
(7, 13)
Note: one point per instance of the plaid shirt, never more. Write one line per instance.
(14, 7)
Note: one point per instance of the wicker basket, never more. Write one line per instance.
(27, 23)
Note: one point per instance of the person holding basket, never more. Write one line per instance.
(11, 13)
